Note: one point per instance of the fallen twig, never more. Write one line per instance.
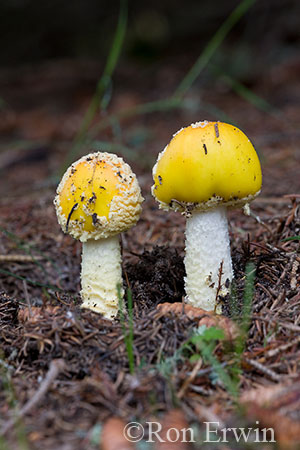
(56, 366)
(19, 258)
(190, 379)
(281, 348)
(261, 368)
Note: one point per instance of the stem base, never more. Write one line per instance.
(207, 260)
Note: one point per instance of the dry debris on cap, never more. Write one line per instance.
(124, 209)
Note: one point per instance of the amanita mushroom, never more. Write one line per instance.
(206, 168)
(98, 198)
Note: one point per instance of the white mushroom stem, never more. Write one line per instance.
(207, 259)
(101, 273)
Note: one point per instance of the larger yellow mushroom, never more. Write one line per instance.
(207, 167)
(98, 198)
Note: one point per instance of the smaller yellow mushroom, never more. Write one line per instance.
(98, 198)
(206, 168)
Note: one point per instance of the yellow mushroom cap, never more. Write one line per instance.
(204, 165)
(98, 196)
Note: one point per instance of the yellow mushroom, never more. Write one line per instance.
(207, 167)
(98, 198)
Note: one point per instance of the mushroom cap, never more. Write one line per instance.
(207, 164)
(98, 196)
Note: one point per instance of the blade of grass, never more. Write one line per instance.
(3, 103)
(291, 238)
(175, 101)
(128, 334)
(217, 112)
(250, 271)
(28, 249)
(247, 94)
(11, 399)
(100, 100)
(230, 377)
(228, 381)
(146, 160)
(212, 47)
(138, 110)
(29, 281)
(205, 341)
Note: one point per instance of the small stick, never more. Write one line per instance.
(293, 282)
(291, 196)
(261, 368)
(288, 326)
(27, 297)
(220, 273)
(19, 258)
(190, 378)
(281, 348)
(56, 366)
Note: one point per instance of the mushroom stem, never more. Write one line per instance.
(101, 274)
(207, 259)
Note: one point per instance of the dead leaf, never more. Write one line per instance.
(172, 432)
(277, 407)
(35, 313)
(112, 436)
(207, 318)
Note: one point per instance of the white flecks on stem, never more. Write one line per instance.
(207, 259)
(101, 274)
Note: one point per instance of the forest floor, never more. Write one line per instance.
(76, 361)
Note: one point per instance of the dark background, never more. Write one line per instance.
(53, 54)
(34, 31)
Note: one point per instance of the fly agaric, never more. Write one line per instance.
(206, 168)
(98, 198)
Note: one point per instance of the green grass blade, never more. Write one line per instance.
(12, 402)
(291, 238)
(250, 271)
(212, 47)
(2, 104)
(247, 94)
(28, 249)
(117, 43)
(167, 104)
(100, 99)
(29, 281)
(144, 158)
(128, 334)
(227, 380)
(218, 113)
